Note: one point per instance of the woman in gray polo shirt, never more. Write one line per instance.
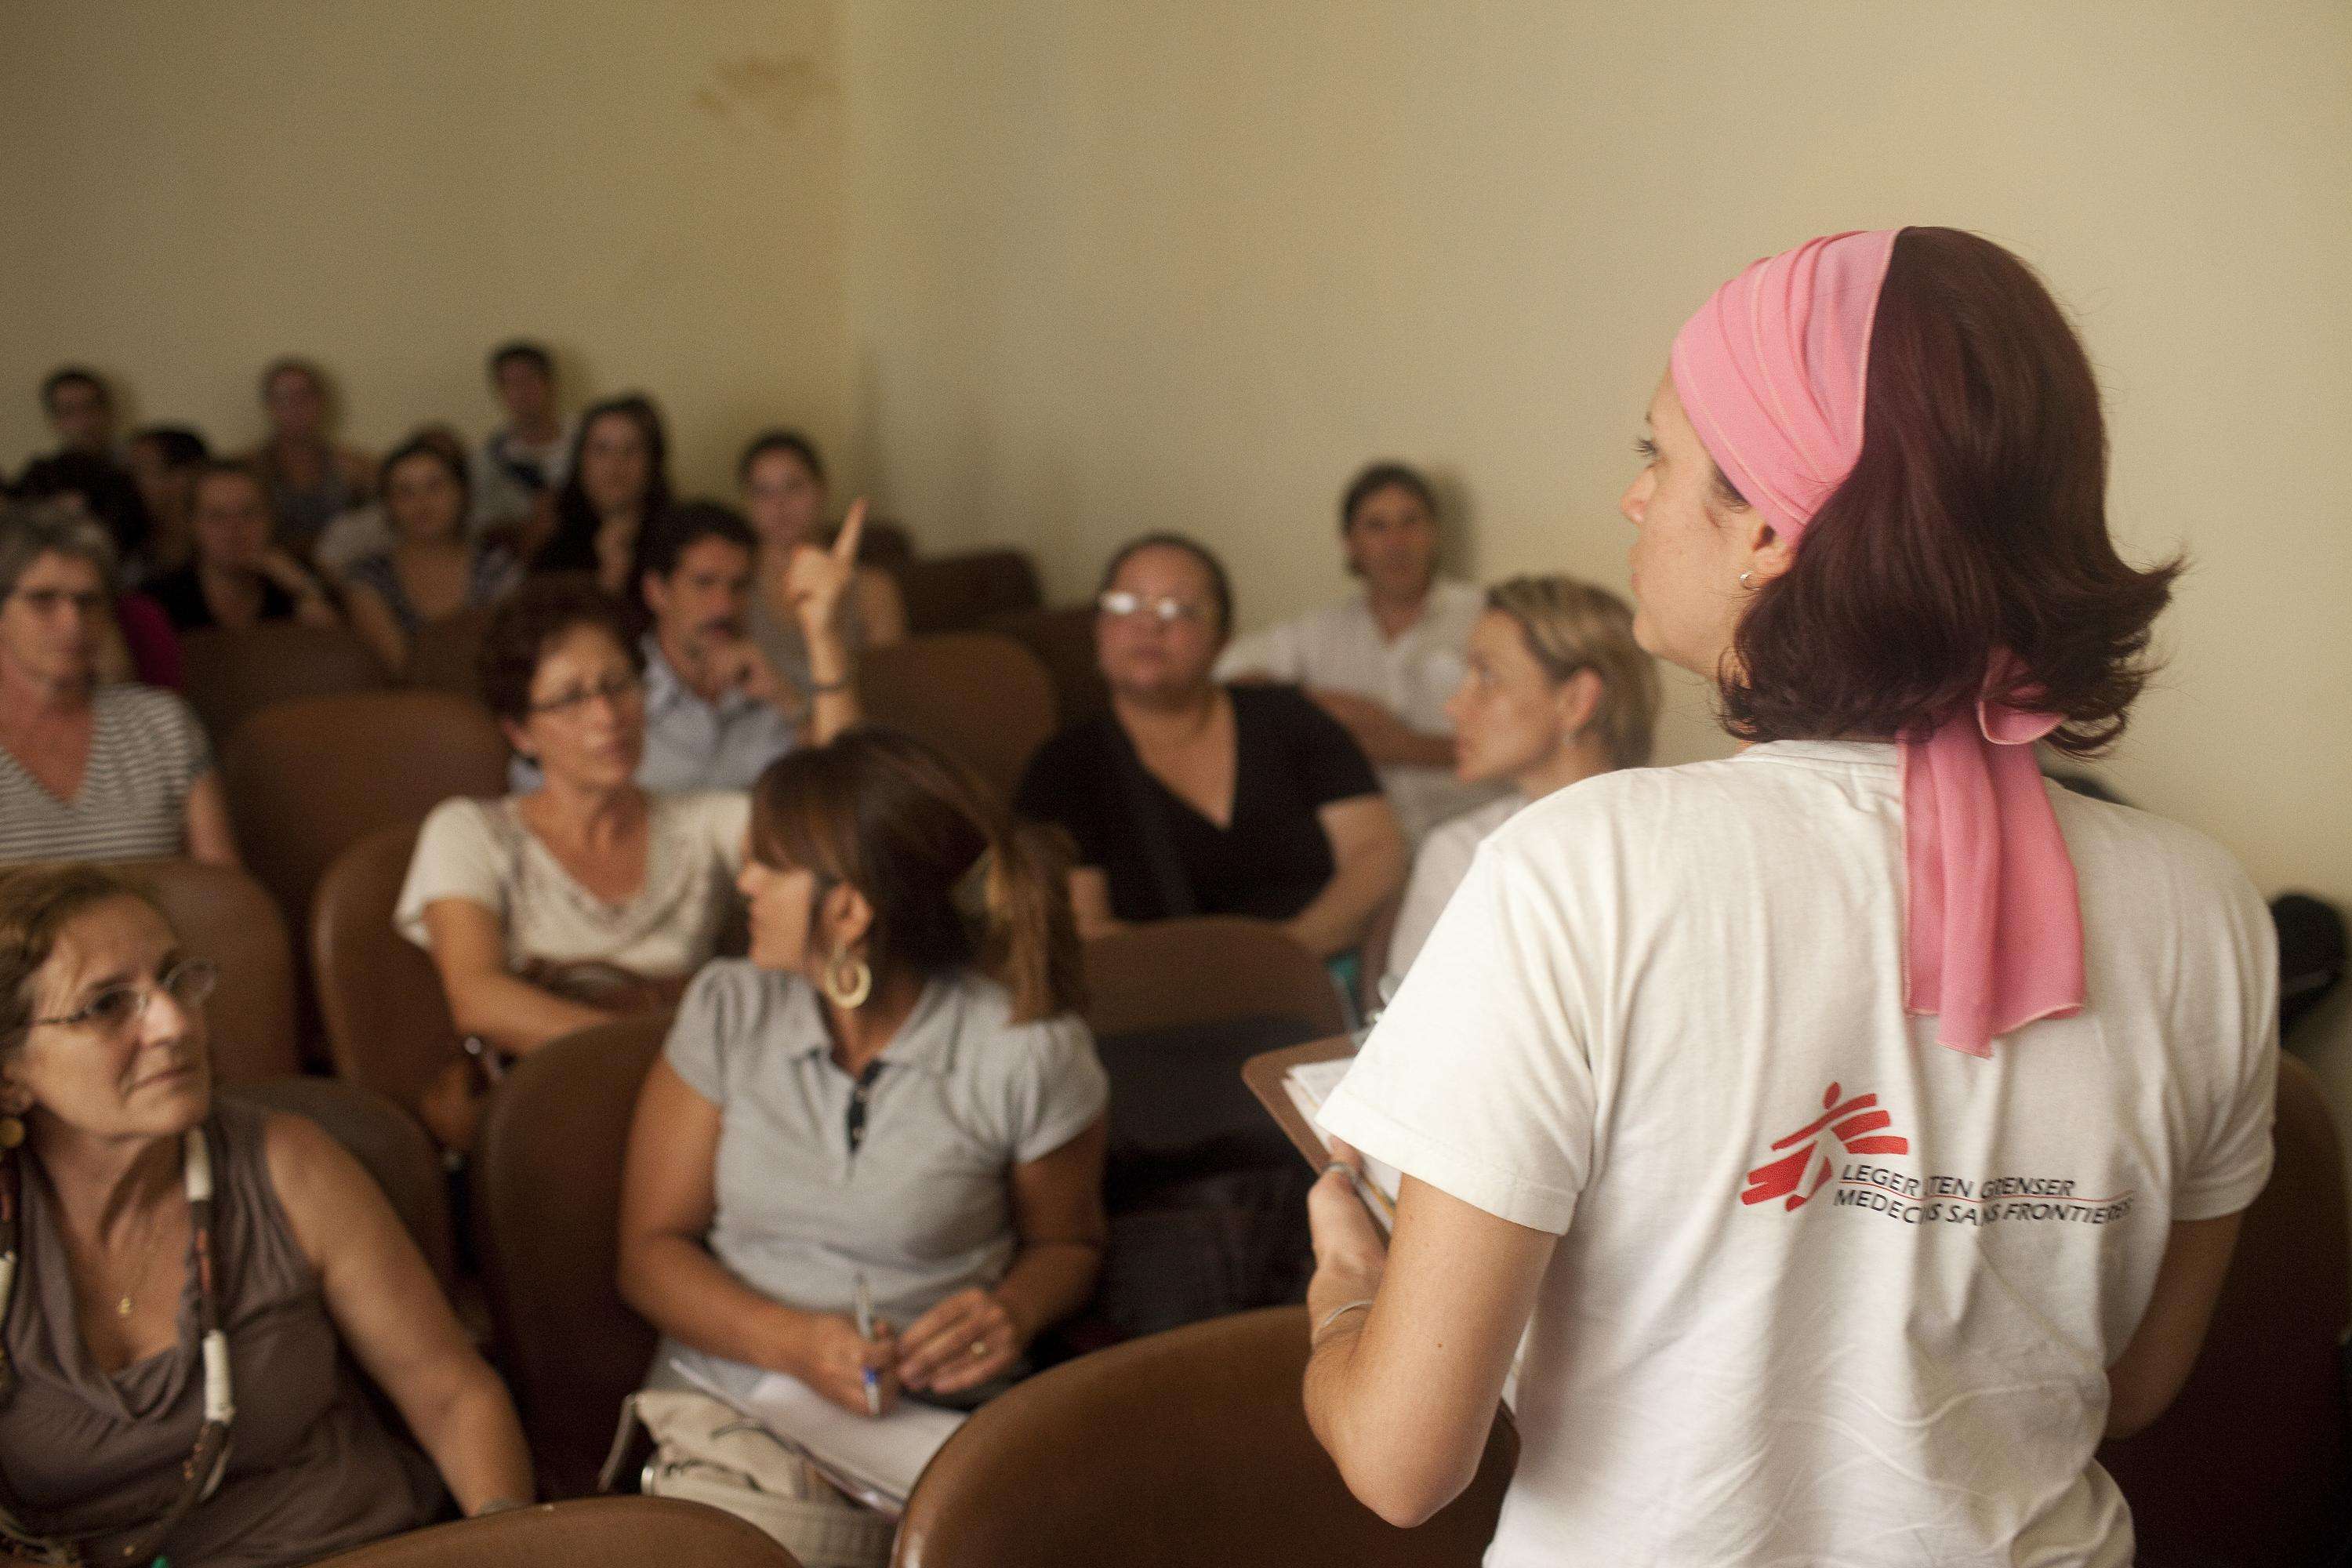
(892, 1089)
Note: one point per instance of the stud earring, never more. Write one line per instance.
(12, 1132)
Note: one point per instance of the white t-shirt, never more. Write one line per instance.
(1438, 867)
(480, 850)
(1342, 646)
(1826, 1291)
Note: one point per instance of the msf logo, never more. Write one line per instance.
(1857, 1124)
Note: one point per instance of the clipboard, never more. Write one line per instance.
(1268, 1076)
(1264, 1072)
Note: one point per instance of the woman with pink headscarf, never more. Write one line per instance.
(1838, 1142)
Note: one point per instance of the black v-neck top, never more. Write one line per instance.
(1294, 760)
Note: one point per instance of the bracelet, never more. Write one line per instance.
(1331, 1317)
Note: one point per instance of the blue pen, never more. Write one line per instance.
(866, 1331)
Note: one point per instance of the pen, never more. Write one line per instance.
(1373, 1198)
(866, 1331)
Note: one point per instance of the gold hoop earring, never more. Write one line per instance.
(848, 981)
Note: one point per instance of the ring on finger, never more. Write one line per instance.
(980, 1347)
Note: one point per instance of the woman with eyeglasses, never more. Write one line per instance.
(188, 1286)
(89, 770)
(586, 897)
(1190, 797)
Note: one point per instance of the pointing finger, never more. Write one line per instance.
(853, 530)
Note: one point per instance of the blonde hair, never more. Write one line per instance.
(1571, 626)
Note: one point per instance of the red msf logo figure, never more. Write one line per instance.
(1858, 1126)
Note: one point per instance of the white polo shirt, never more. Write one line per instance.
(1342, 646)
(1826, 1291)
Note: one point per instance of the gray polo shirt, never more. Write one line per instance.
(924, 1207)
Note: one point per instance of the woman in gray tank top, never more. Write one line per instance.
(179, 1279)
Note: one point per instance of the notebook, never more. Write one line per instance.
(1293, 1084)
(874, 1458)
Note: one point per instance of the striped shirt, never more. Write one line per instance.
(146, 749)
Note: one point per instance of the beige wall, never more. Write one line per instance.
(1114, 268)
(655, 189)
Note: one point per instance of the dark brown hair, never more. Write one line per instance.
(1221, 587)
(1975, 520)
(536, 618)
(37, 904)
(1386, 474)
(909, 827)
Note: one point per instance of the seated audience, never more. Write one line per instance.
(89, 771)
(587, 896)
(784, 496)
(238, 577)
(195, 1284)
(80, 410)
(717, 710)
(892, 1097)
(1557, 691)
(616, 481)
(1190, 797)
(164, 460)
(1383, 661)
(310, 479)
(100, 487)
(432, 570)
(521, 464)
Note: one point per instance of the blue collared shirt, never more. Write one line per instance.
(691, 743)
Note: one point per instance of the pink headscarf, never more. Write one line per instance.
(1771, 372)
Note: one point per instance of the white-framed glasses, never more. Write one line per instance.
(118, 1009)
(1121, 603)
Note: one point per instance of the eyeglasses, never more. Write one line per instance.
(1119, 602)
(48, 601)
(118, 1009)
(617, 689)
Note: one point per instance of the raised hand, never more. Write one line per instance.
(815, 579)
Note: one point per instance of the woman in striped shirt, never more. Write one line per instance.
(89, 771)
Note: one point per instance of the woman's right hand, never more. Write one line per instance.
(834, 1358)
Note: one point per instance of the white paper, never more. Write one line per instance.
(1309, 1084)
(875, 1458)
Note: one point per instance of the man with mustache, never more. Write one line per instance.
(717, 710)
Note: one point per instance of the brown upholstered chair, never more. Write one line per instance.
(386, 1141)
(1211, 969)
(547, 1197)
(2250, 1466)
(387, 1018)
(958, 592)
(588, 1532)
(1063, 642)
(306, 779)
(983, 699)
(232, 674)
(443, 654)
(225, 916)
(1186, 1448)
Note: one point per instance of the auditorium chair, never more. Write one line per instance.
(1063, 642)
(959, 592)
(546, 1201)
(389, 1143)
(2250, 1466)
(587, 1532)
(1184, 1449)
(232, 674)
(306, 779)
(444, 654)
(983, 699)
(221, 914)
(1206, 1198)
(387, 1018)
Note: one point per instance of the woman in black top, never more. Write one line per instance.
(1190, 797)
(238, 577)
(617, 482)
